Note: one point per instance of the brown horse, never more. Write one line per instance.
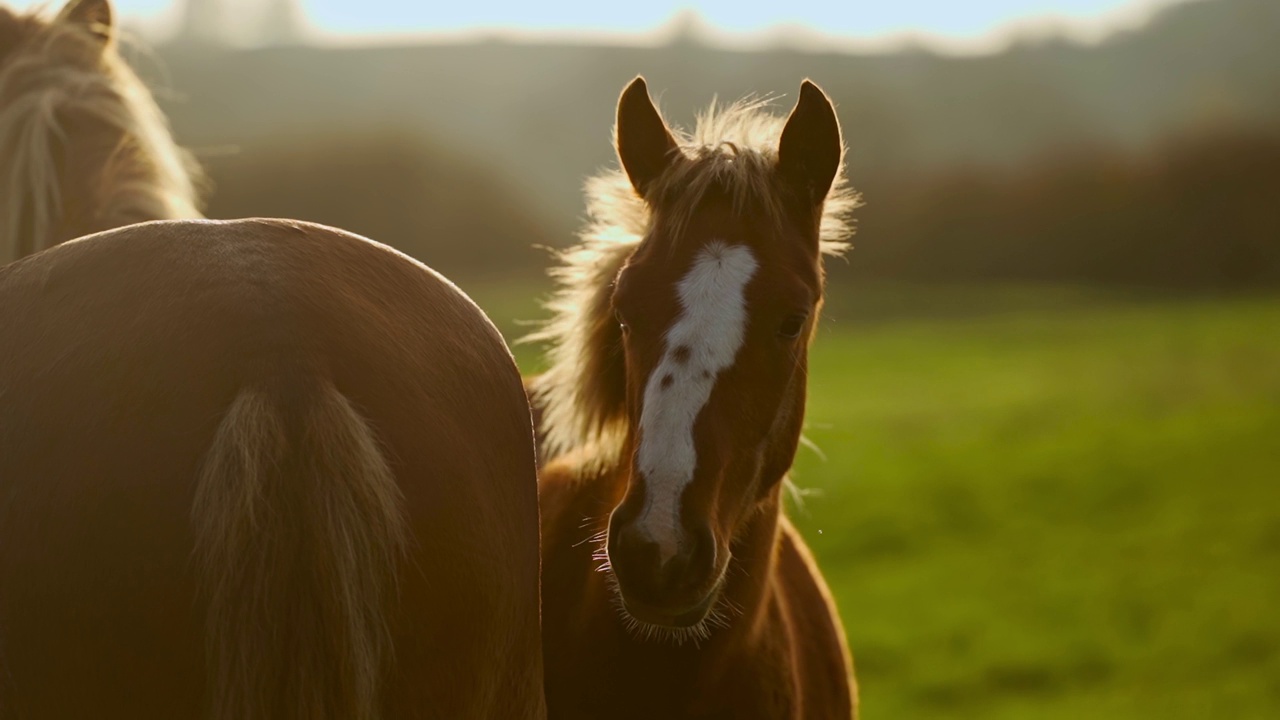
(673, 586)
(260, 469)
(83, 147)
(256, 469)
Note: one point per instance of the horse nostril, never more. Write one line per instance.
(637, 548)
(707, 549)
(698, 559)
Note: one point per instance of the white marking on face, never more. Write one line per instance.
(704, 341)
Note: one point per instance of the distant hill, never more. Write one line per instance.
(539, 116)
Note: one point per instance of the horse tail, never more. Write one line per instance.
(298, 526)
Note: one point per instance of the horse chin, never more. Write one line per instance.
(693, 623)
(675, 619)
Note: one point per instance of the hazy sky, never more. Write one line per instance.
(858, 18)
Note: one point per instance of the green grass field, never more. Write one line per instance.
(1044, 503)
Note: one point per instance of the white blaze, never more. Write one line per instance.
(704, 341)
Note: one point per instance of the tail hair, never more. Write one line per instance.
(298, 525)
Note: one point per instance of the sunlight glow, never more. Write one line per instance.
(815, 24)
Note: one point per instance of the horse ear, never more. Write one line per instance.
(645, 145)
(96, 16)
(810, 150)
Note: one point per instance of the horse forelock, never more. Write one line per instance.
(57, 75)
(733, 149)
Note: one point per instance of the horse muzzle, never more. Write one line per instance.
(660, 586)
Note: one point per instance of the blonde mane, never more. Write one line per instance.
(582, 394)
(61, 76)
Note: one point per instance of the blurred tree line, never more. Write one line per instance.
(1192, 212)
(1197, 211)
(443, 209)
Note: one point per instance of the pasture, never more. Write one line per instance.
(1042, 502)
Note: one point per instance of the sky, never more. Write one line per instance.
(862, 19)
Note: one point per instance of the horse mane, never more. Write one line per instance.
(62, 74)
(582, 393)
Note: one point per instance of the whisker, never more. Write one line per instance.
(597, 537)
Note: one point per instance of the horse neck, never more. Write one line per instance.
(99, 177)
(109, 182)
(750, 573)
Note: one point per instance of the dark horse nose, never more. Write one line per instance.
(672, 584)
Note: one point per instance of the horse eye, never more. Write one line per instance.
(792, 326)
(622, 323)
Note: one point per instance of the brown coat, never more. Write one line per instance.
(265, 469)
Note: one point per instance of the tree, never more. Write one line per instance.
(282, 22)
(203, 22)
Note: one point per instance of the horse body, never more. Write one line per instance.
(265, 466)
(673, 586)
